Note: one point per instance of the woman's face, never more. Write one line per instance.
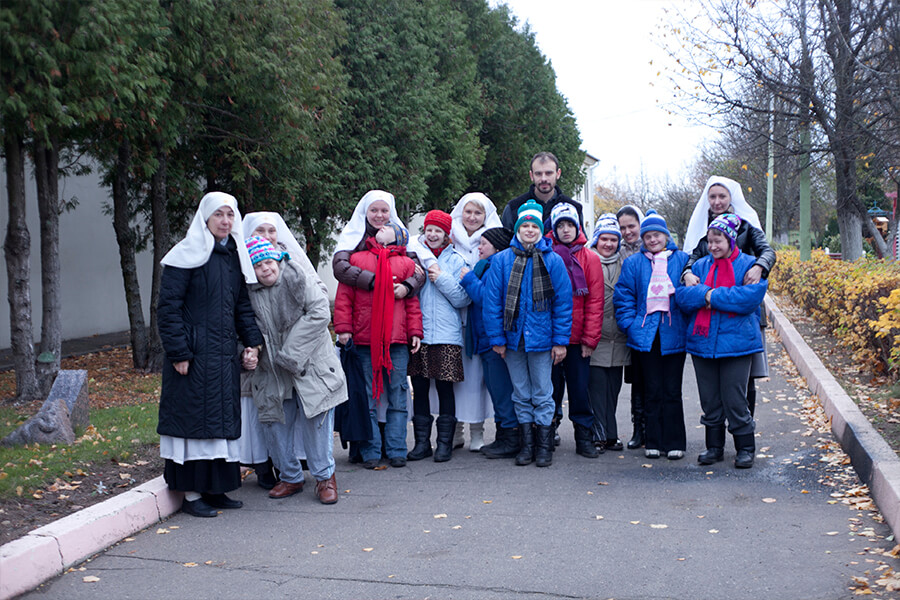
(267, 271)
(378, 214)
(485, 249)
(473, 217)
(566, 231)
(434, 236)
(220, 223)
(718, 243)
(631, 228)
(529, 233)
(719, 199)
(268, 231)
(655, 241)
(607, 244)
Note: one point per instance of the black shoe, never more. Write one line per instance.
(584, 446)
(715, 445)
(198, 508)
(746, 448)
(370, 464)
(614, 445)
(398, 462)
(506, 444)
(221, 501)
(265, 475)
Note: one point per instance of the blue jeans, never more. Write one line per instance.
(499, 385)
(318, 441)
(532, 385)
(397, 387)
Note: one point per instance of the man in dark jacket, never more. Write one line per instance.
(544, 174)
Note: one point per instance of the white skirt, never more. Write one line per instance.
(181, 450)
(473, 402)
(252, 444)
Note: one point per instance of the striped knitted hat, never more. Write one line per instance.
(728, 224)
(606, 223)
(401, 235)
(260, 249)
(564, 212)
(530, 212)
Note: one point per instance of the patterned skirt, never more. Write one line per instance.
(437, 361)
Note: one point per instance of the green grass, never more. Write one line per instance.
(114, 433)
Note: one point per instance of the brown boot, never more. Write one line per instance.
(283, 489)
(326, 491)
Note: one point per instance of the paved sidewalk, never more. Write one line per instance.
(621, 526)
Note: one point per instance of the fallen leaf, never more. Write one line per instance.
(368, 549)
(90, 579)
(440, 516)
(314, 552)
(831, 533)
(517, 557)
(129, 539)
(602, 483)
(487, 501)
(380, 468)
(634, 522)
(658, 526)
(456, 527)
(769, 500)
(714, 531)
(598, 517)
(190, 564)
(174, 526)
(647, 466)
(162, 531)
(209, 562)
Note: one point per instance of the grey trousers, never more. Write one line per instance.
(722, 383)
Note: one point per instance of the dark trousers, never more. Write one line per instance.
(574, 374)
(446, 399)
(662, 398)
(722, 383)
(499, 385)
(606, 383)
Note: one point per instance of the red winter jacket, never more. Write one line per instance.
(353, 306)
(587, 311)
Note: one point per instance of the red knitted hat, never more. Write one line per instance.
(440, 219)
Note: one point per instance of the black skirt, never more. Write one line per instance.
(204, 476)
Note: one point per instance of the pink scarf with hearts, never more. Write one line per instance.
(661, 286)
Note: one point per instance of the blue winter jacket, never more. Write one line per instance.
(630, 300)
(540, 330)
(475, 289)
(441, 300)
(734, 328)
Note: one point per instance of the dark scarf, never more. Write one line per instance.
(382, 312)
(576, 271)
(721, 274)
(541, 285)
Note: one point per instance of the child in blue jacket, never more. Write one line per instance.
(722, 336)
(496, 374)
(528, 320)
(647, 311)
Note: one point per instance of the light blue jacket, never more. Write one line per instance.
(630, 300)
(734, 328)
(441, 301)
(540, 330)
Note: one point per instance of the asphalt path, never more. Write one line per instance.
(620, 526)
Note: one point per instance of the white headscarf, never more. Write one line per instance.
(355, 230)
(466, 244)
(700, 218)
(197, 246)
(283, 233)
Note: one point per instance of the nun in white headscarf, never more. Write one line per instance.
(471, 217)
(203, 311)
(723, 195)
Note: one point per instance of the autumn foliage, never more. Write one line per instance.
(859, 301)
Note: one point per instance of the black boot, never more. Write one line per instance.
(446, 425)
(265, 475)
(555, 425)
(715, 445)
(422, 435)
(383, 449)
(543, 445)
(506, 445)
(526, 444)
(584, 443)
(637, 418)
(745, 445)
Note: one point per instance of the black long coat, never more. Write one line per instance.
(201, 311)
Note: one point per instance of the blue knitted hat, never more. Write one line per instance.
(260, 249)
(606, 223)
(653, 221)
(530, 212)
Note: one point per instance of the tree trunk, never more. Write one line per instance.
(17, 248)
(160, 224)
(46, 174)
(140, 345)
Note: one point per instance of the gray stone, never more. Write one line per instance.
(65, 408)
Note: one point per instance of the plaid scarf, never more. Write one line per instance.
(382, 312)
(541, 285)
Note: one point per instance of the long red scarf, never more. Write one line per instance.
(382, 312)
(721, 274)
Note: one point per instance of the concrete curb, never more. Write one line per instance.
(47, 551)
(877, 465)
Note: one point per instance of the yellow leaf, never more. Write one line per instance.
(634, 522)
(832, 533)
(517, 557)
(129, 539)
(714, 531)
(487, 501)
(174, 527)
(162, 531)
(456, 527)
(368, 549)
(658, 526)
(190, 564)
(440, 516)
(90, 579)
(769, 500)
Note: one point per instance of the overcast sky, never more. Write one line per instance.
(601, 52)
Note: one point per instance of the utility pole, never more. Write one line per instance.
(805, 94)
(770, 176)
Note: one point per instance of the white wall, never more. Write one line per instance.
(93, 294)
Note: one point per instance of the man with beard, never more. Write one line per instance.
(544, 173)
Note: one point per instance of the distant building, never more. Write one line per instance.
(586, 194)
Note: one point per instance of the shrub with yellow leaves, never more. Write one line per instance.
(858, 301)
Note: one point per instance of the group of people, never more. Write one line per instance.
(504, 315)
